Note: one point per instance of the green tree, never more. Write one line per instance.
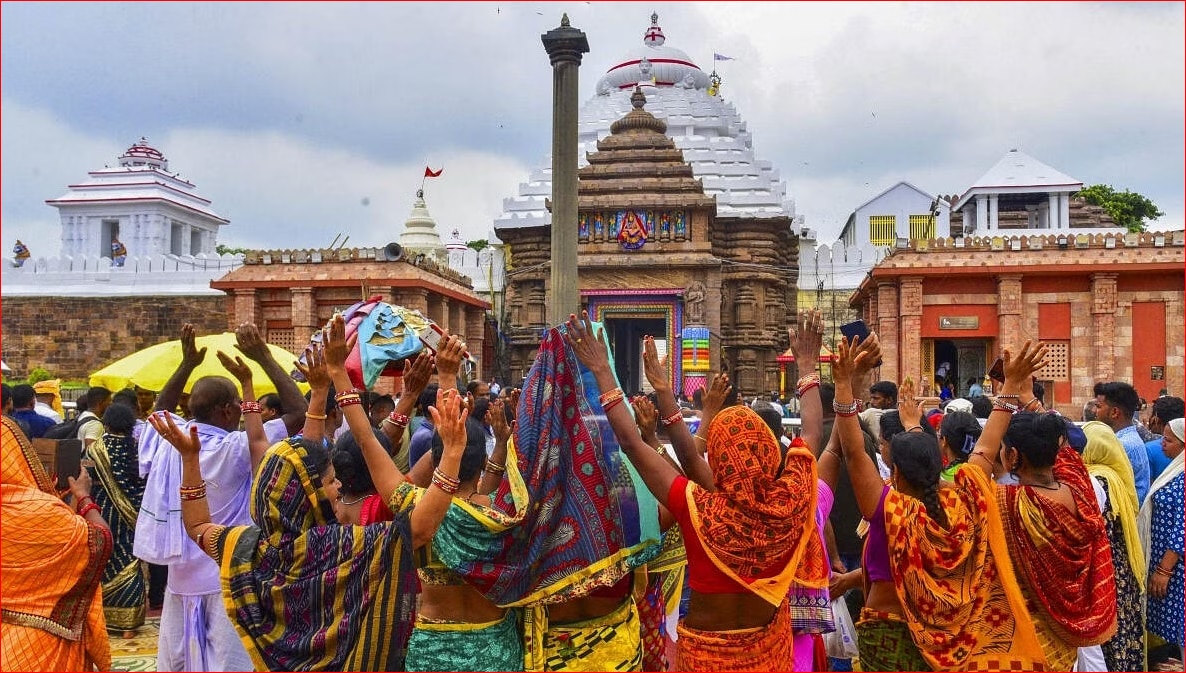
(226, 250)
(1127, 209)
(478, 245)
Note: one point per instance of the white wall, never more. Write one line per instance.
(901, 201)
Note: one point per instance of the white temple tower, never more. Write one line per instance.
(149, 209)
(420, 232)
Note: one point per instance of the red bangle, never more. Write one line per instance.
(399, 419)
(78, 505)
(606, 406)
(83, 512)
(248, 407)
(675, 417)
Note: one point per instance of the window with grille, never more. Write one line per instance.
(282, 337)
(883, 229)
(922, 227)
(1058, 361)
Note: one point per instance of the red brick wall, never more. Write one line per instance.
(75, 336)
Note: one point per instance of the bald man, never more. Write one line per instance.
(193, 596)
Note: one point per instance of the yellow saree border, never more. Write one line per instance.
(101, 457)
(773, 590)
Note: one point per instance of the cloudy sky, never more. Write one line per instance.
(300, 121)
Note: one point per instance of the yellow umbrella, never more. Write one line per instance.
(151, 368)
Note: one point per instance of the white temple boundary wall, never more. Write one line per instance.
(83, 276)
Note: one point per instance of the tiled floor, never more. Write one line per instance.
(138, 653)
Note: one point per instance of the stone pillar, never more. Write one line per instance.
(457, 319)
(887, 331)
(564, 46)
(438, 310)
(414, 298)
(910, 290)
(994, 217)
(244, 311)
(1103, 314)
(1009, 326)
(1052, 213)
(982, 213)
(304, 314)
(1064, 210)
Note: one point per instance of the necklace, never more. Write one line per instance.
(1049, 487)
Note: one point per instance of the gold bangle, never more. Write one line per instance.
(316, 417)
(697, 436)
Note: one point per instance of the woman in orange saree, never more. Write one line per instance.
(52, 563)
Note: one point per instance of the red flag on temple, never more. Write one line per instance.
(429, 173)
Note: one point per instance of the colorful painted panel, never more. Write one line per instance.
(583, 226)
(694, 382)
(632, 229)
(695, 355)
(681, 224)
(652, 302)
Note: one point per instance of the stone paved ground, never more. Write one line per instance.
(138, 653)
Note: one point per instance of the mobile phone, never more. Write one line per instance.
(431, 337)
(857, 328)
(68, 461)
(854, 329)
(997, 371)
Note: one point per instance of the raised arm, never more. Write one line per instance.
(806, 338)
(496, 465)
(384, 473)
(252, 345)
(853, 359)
(448, 416)
(448, 361)
(690, 461)
(195, 511)
(416, 375)
(647, 418)
(317, 374)
(592, 351)
(191, 357)
(253, 422)
(1017, 375)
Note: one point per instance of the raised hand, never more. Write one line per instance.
(647, 417)
(249, 341)
(513, 398)
(191, 356)
(186, 443)
(589, 348)
(448, 358)
(1019, 369)
(236, 367)
(909, 411)
(417, 373)
(448, 416)
(314, 369)
(806, 338)
(867, 355)
(717, 395)
(655, 369)
(336, 349)
(844, 366)
(498, 421)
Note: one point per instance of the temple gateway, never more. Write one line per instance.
(683, 234)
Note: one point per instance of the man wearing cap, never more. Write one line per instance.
(49, 400)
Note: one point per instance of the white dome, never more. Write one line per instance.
(654, 62)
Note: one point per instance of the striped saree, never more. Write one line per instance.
(307, 594)
(955, 582)
(118, 491)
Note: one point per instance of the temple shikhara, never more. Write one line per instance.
(684, 234)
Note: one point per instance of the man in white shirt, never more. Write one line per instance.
(48, 397)
(90, 422)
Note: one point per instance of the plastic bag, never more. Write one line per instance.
(841, 643)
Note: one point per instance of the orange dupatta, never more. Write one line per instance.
(763, 511)
(52, 563)
(956, 583)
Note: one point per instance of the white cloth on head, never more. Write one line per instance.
(1145, 517)
(958, 404)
